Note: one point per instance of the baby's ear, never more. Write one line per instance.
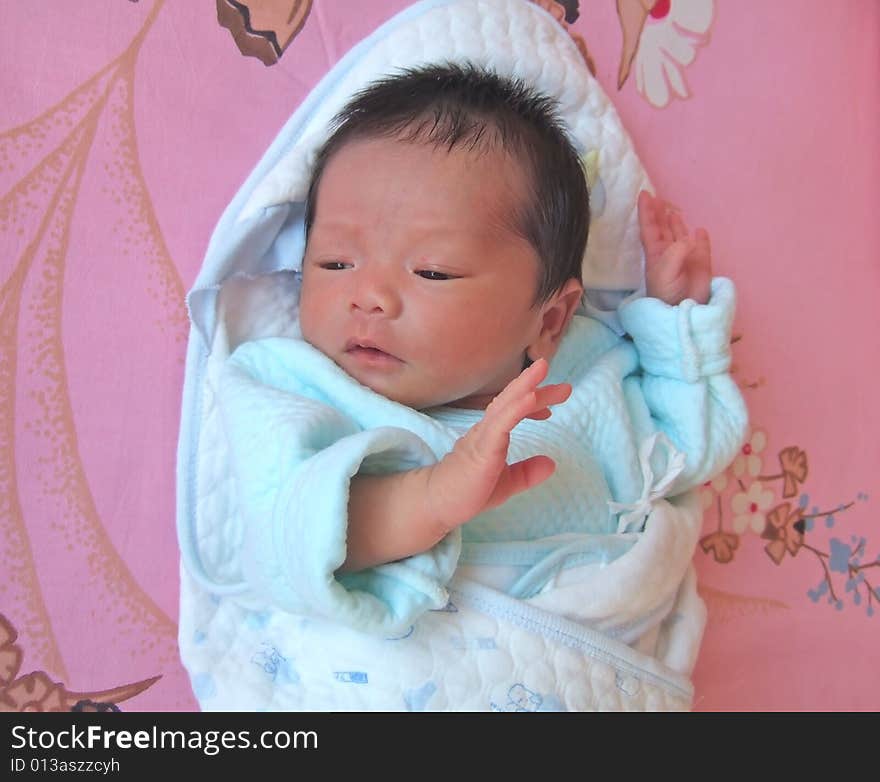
(560, 308)
(556, 314)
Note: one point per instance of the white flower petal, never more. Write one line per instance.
(740, 523)
(758, 522)
(758, 441)
(693, 15)
(649, 67)
(766, 498)
(754, 465)
(739, 466)
(656, 90)
(677, 47)
(719, 482)
(675, 78)
(740, 502)
(667, 44)
(754, 492)
(638, 68)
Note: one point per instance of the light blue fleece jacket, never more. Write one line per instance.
(299, 428)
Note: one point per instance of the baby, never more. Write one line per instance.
(446, 226)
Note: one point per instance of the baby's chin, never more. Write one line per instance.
(472, 402)
(415, 400)
(396, 392)
(419, 399)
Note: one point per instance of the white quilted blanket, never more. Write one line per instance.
(618, 635)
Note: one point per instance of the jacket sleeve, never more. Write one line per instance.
(293, 458)
(684, 388)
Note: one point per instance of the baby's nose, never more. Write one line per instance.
(376, 297)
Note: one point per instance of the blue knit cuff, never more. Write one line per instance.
(685, 342)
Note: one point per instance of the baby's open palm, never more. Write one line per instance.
(475, 476)
(678, 264)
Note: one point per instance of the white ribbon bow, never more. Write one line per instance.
(638, 511)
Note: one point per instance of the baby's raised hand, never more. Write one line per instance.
(475, 475)
(678, 264)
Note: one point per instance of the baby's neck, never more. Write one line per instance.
(476, 402)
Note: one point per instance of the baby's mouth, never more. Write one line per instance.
(368, 350)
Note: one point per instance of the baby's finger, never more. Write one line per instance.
(524, 383)
(490, 438)
(529, 379)
(678, 227)
(554, 394)
(673, 260)
(520, 476)
(537, 406)
(520, 400)
(546, 396)
(515, 401)
(701, 268)
(704, 244)
(650, 217)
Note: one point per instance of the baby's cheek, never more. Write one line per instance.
(305, 321)
(309, 308)
(312, 327)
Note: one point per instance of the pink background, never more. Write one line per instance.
(108, 201)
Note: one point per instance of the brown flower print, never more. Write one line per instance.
(36, 692)
(33, 692)
(795, 468)
(632, 15)
(263, 28)
(721, 544)
(785, 531)
(10, 654)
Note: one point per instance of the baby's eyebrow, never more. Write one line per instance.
(337, 226)
(340, 235)
(426, 228)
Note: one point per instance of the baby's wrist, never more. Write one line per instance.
(439, 517)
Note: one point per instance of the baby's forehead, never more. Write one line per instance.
(487, 181)
(486, 154)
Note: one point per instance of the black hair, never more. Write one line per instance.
(452, 106)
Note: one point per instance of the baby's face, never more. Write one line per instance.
(412, 281)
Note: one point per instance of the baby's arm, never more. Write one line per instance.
(681, 331)
(398, 515)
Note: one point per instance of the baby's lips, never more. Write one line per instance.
(354, 344)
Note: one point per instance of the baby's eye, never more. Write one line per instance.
(430, 274)
(334, 266)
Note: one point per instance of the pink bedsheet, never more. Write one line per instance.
(125, 129)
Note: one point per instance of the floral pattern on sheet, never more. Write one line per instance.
(660, 37)
(260, 29)
(48, 511)
(767, 507)
(672, 33)
(36, 692)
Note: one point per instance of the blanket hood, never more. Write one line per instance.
(262, 229)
